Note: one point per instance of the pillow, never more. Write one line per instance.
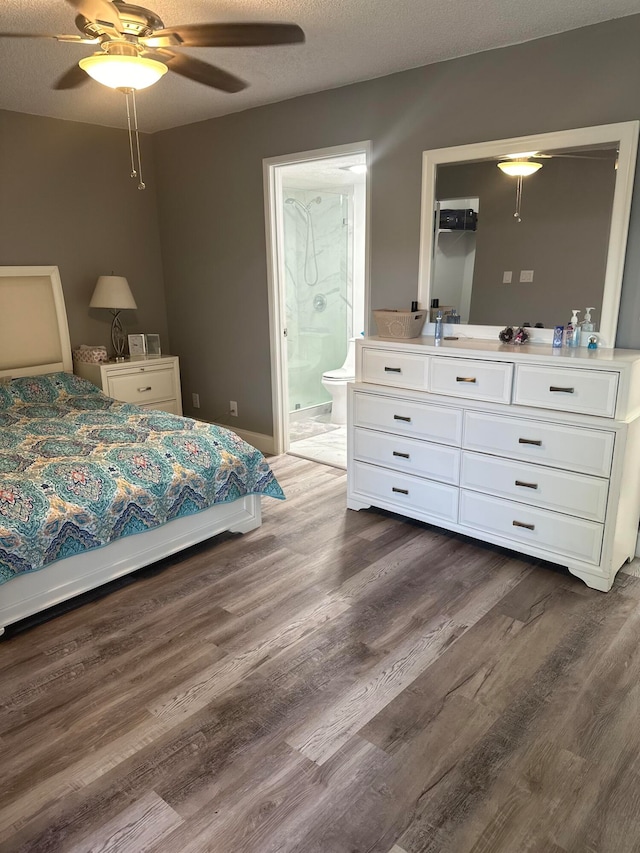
(50, 387)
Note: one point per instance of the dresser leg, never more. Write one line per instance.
(357, 505)
(593, 581)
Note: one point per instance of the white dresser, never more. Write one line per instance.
(152, 382)
(533, 449)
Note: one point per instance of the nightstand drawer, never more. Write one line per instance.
(589, 392)
(170, 406)
(475, 380)
(142, 385)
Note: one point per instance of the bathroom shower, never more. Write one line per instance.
(310, 260)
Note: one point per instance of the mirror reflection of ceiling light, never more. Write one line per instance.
(519, 168)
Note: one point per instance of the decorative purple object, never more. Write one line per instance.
(521, 336)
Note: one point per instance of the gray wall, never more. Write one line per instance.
(211, 195)
(67, 199)
(563, 237)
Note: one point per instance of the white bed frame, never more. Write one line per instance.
(34, 339)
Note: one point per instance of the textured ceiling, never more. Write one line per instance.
(347, 41)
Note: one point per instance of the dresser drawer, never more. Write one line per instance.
(142, 385)
(401, 369)
(404, 493)
(558, 534)
(476, 380)
(408, 455)
(589, 392)
(589, 451)
(405, 417)
(561, 491)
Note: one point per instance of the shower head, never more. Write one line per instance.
(300, 205)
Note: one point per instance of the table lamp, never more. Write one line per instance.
(113, 292)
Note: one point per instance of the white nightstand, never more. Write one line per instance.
(152, 382)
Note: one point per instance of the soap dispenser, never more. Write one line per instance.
(572, 335)
(587, 325)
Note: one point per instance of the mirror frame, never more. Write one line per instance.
(623, 134)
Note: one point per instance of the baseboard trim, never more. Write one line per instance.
(264, 443)
(638, 545)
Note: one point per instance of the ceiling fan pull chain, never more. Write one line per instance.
(134, 174)
(141, 183)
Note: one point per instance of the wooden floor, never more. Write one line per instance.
(334, 682)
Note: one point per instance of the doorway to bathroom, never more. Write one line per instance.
(317, 236)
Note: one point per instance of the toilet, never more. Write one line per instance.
(335, 383)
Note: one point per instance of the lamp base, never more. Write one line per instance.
(118, 338)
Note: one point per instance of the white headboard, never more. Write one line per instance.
(34, 335)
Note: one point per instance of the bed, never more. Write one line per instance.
(92, 489)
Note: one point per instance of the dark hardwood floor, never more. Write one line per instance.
(334, 682)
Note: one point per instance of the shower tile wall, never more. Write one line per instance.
(319, 287)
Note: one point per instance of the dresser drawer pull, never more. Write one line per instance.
(535, 441)
(526, 485)
(401, 455)
(471, 379)
(522, 524)
(400, 491)
(402, 418)
(148, 388)
(393, 370)
(559, 388)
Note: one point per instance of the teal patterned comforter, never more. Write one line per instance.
(78, 470)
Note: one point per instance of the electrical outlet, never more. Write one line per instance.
(233, 408)
(195, 399)
(526, 275)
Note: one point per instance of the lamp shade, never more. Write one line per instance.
(123, 72)
(112, 291)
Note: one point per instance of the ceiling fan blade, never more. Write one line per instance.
(72, 78)
(101, 12)
(226, 35)
(66, 38)
(202, 72)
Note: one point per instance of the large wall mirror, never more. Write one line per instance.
(524, 230)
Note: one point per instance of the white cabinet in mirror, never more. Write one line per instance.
(503, 247)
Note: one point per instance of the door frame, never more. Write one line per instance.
(274, 228)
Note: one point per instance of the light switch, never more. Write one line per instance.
(507, 277)
(526, 275)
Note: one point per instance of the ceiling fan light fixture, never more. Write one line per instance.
(519, 168)
(123, 72)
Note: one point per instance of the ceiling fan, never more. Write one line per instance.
(138, 37)
(135, 52)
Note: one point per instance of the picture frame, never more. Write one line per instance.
(137, 345)
(152, 343)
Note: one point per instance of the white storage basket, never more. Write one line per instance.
(399, 324)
